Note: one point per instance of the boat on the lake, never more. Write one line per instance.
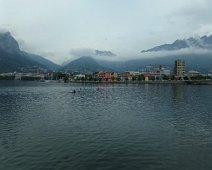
(72, 91)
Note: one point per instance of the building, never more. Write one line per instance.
(127, 75)
(165, 72)
(146, 76)
(179, 69)
(193, 73)
(107, 76)
(79, 77)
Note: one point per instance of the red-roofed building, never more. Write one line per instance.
(107, 76)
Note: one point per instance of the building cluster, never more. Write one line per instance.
(34, 73)
(148, 73)
(25, 76)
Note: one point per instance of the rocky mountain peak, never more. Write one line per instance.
(8, 43)
(204, 42)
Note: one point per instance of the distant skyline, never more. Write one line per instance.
(61, 30)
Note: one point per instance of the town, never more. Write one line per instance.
(151, 73)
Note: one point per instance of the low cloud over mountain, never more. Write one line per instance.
(83, 64)
(200, 43)
(79, 52)
(14, 59)
(104, 53)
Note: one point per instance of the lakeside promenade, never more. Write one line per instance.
(180, 82)
(187, 82)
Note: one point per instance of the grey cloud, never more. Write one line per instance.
(159, 54)
(55, 26)
(184, 51)
(104, 53)
(195, 14)
(2, 30)
(79, 52)
(23, 45)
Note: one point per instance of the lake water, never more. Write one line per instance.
(105, 126)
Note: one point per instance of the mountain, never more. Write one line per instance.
(41, 60)
(8, 44)
(83, 64)
(199, 59)
(202, 63)
(197, 53)
(204, 42)
(13, 59)
(198, 62)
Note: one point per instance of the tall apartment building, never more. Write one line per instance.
(179, 69)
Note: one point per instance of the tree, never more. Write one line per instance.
(134, 78)
(88, 77)
(141, 77)
(198, 77)
(152, 78)
(165, 77)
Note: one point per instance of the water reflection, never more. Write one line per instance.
(179, 92)
(105, 126)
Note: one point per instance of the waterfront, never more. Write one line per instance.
(105, 126)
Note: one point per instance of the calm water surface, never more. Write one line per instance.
(43, 126)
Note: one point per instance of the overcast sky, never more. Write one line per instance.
(60, 29)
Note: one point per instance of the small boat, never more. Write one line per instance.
(72, 91)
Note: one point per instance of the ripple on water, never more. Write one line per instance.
(105, 126)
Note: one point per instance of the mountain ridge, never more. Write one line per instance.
(204, 42)
(13, 59)
(83, 64)
(8, 43)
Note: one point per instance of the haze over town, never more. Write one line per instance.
(62, 30)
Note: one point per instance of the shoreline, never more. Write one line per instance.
(130, 82)
(186, 82)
